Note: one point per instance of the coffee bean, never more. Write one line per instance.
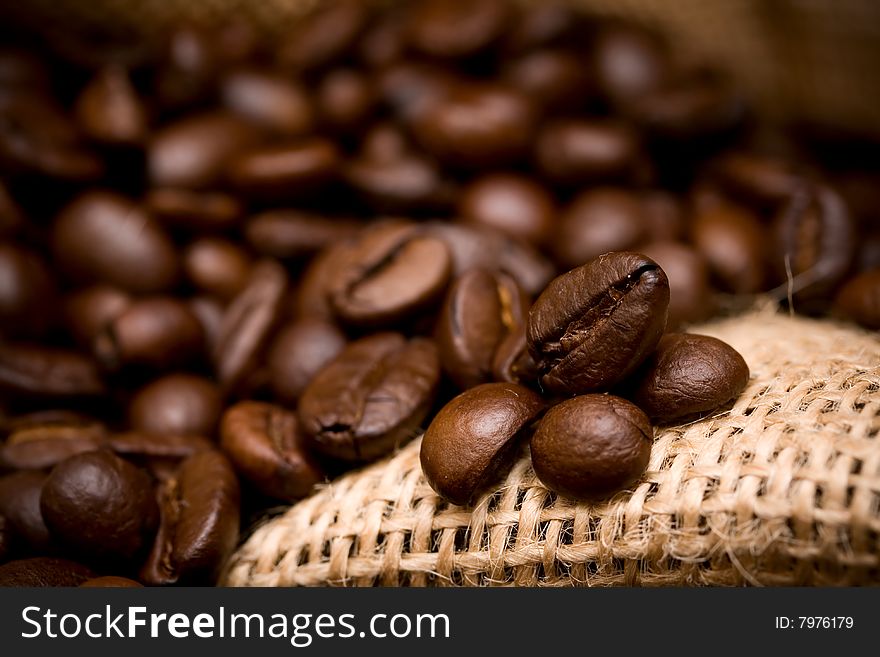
(688, 376)
(311, 299)
(323, 36)
(512, 362)
(20, 494)
(575, 152)
(37, 371)
(480, 309)
(109, 110)
(555, 78)
(345, 98)
(384, 41)
(591, 446)
(370, 398)
(216, 266)
(472, 440)
(100, 507)
(270, 101)
(266, 445)
(194, 211)
(27, 293)
(594, 325)
(43, 571)
(457, 28)
(548, 23)
(393, 272)
(209, 311)
(200, 512)
(412, 88)
(629, 62)
(859, 299)
(187, 71)
(89, 311)
(293, 234)
(764, 180)
(299, 351)
(42, 445)
(102, 236)
(690, 293)
(139, 445)
(734, 244)
(177, 404)
(663, 216)
(110, 581)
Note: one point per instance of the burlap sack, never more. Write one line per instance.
(781, 489)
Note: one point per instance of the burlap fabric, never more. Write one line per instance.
(781, 489)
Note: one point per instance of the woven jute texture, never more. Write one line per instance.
(781, 489)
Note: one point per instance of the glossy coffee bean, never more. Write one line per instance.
(629, 62)
(100, 507)
(690, 292)
(216, 266)
(345, 99)
(594, 325)
(480, 309)
(764, 180)
(392, 272)
(200, 510)
(294, 234)
(285, 171)
(512, 362)
(267, 447)
(193, 211)
(37, 371)
(270, 101)
(859, 299)
(44, 444)
(104, 237)
(20, 494)
(43, 571)
(555, 78)
(298, 352)
(89, 310)
(734, 244)
(598, 221)
(27, 293)
(688, 376)
(109, 110)
(156, 332)
(323, 36)
(472, 441)
(591, 446)
(457, 28)
(372, 397)
(511, 203)
(311, 300)
(177, 404)
(576, 152)
(110, 581)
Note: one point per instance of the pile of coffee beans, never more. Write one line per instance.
(232, 270)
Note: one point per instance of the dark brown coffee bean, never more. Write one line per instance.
(323, 36)
(513, 204)
(594, 325)
(598, 221)
(43, 571)
(629, 62)
(100, 507)
(481, 308)
(209, 311)
(194, 211)
(32, 370)
(177, 404)
(299, 351)
(200, 511)
(104, 237)
(266, 446)
(688, 376)
(110, 581)
(591, 446)
(512, 362)
(27, 293)
(174, 447)
(472, 440)
(247, 323)
(285, 171)
(187, 71)
(193, 152)
(542, 24)
(457, 28)
(663, 216)
(859, 299)
(270, 101)
(764, 180)
(393, 272)
(20, 494)
(311, 296)
(815, 244)
(216, 266)
(293, 234)
(384, 41)
(477, 126)
(690, 293)
(109, 111)
(89, 311)
(370, 398)
(44, 445)
(345, 100)
(157, 332)
(555, 79)
(575, 152)
(733, 242)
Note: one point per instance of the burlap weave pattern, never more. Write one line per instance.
(781, 489)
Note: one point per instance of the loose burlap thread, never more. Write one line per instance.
(783, 488)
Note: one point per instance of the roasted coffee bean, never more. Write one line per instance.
(815, 244)
(598, 221)
(512, 362)
(177, 404)
(541, 24)
(392, 273)
(311, 297)
(457, 28)
(293, 234)
(511, 203)
(141, 445)
(193, 152)
(384, 41)
(216, 266)
(345, 99)
(323, 36)
(194, 211)
(110, 581)
(370, 398)
(104, 237)
(247, 323)
(555, 78)
(859, 299)
(690, 293)
(591, 446)
(412, 88)
(187, 71)
(156, 332)
(577, 152)
(285, 171)
(209, 311)
(270, 101)
(629, 62)
(44, 445)
(594, 325)
(37, 371)
(480, 309)
(200, 510)
(109, 111)
(663, 215)
(472, 440)
(299, 351)
(764, 180)
(688, 376)
(100, 507)
(43, 571)
(89, 310)
(733, 242)
(27, 293)
(267, 447)
(477, 126)
(20, 494)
